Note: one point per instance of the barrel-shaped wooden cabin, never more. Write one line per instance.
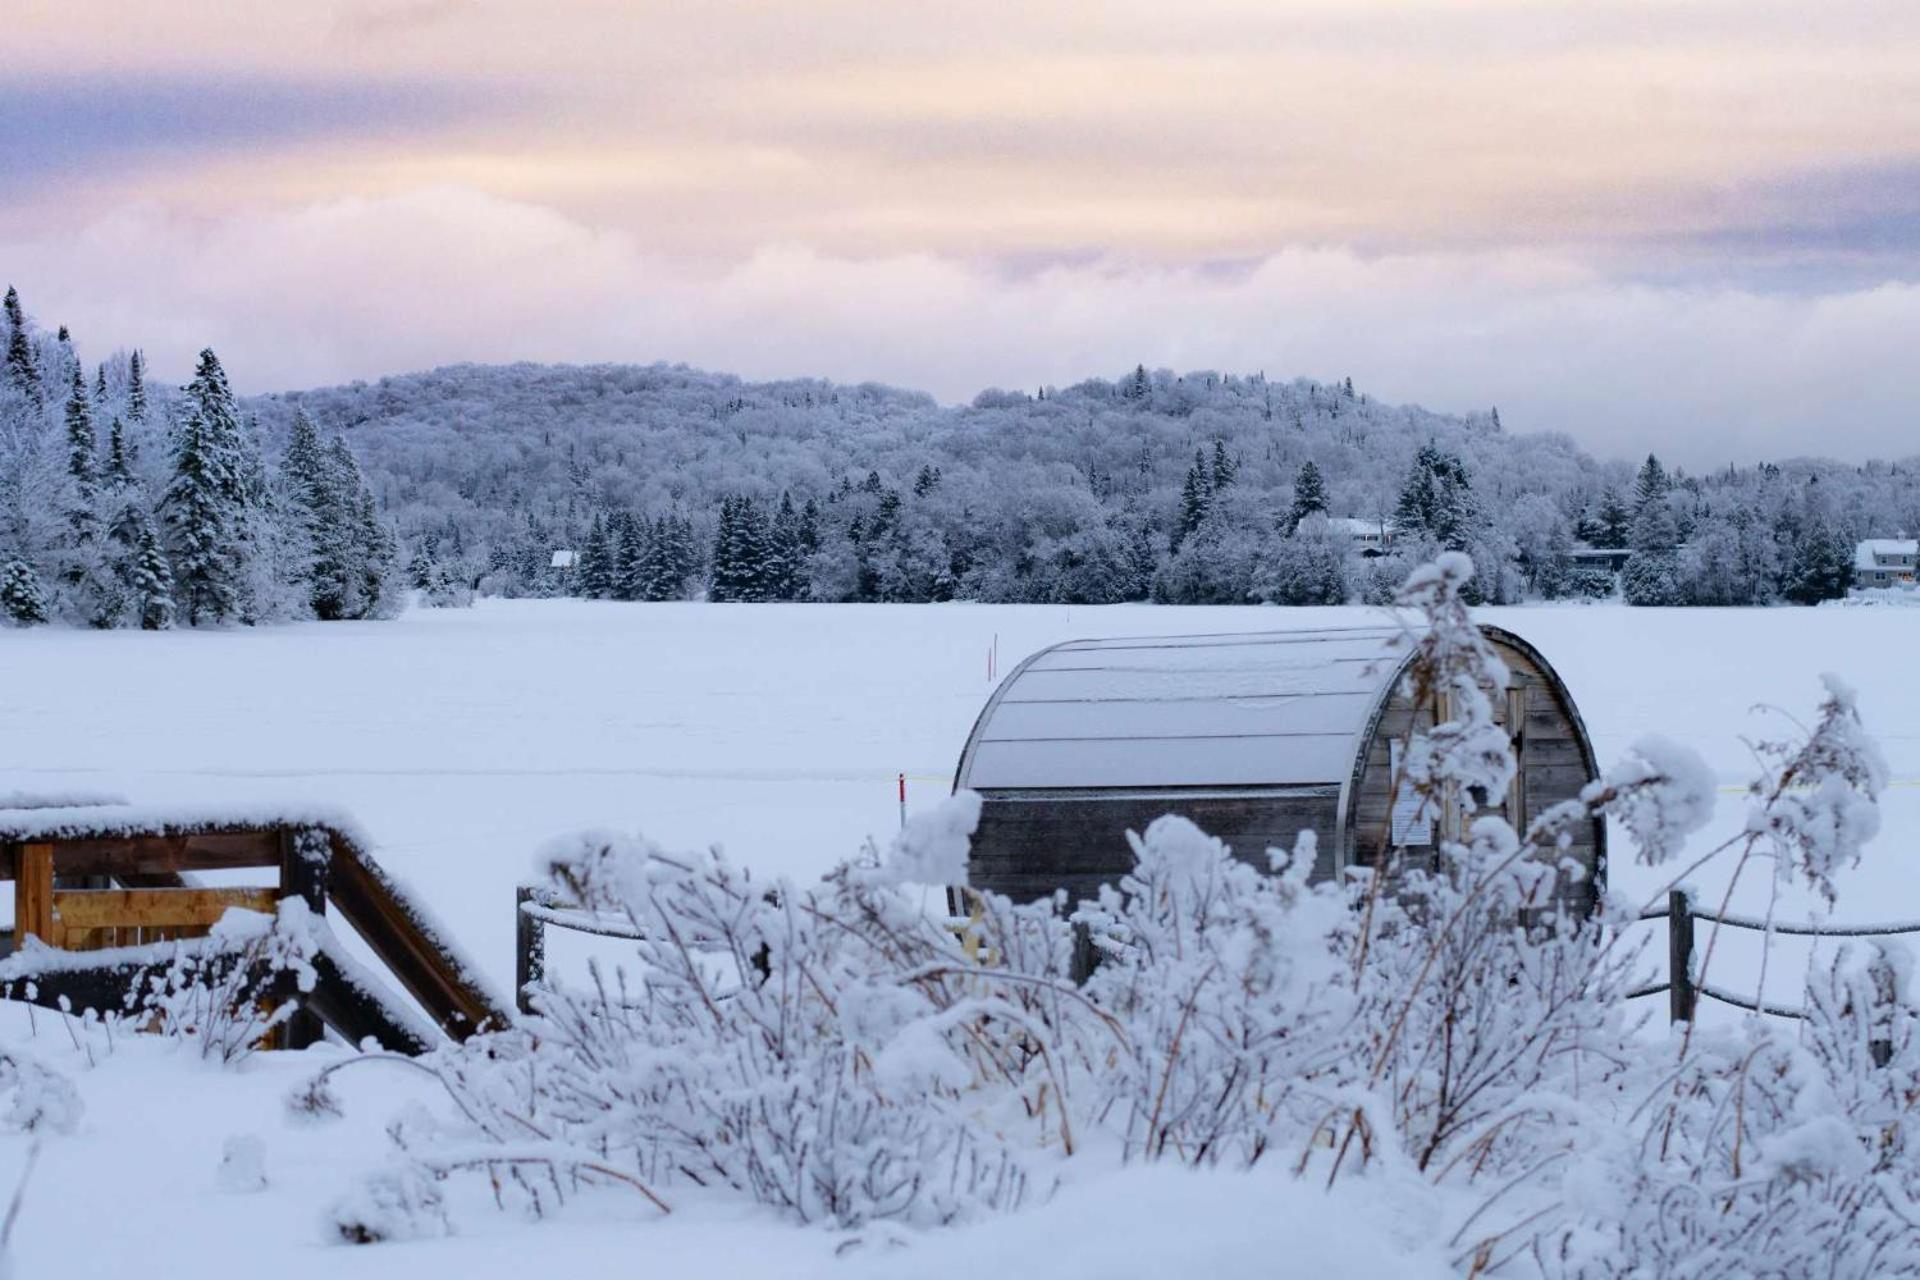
(1254, 737)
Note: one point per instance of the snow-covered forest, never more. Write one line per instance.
(124, 504)
(670, 483)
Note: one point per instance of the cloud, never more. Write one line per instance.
(361, 287)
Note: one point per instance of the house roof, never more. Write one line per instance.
(1265, 708)
(563, 560)
(1867, 555)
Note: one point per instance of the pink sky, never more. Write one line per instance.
(1634, 220)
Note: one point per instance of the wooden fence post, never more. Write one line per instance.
(1681, 995)
(529, 947)
(306, 855)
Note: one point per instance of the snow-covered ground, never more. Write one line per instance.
(461, 739)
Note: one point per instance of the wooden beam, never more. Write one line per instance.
(159, 854)
(154, 908)
(33, 893)
(394, 933)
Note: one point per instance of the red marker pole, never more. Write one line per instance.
(903, 802)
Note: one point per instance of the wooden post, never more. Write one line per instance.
(1517, 736)
(304, 858)
(1681, 996)
(529, 947)
(33, 894)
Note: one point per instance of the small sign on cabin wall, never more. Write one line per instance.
(1412, 822)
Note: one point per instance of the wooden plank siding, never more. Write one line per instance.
(1028, 845)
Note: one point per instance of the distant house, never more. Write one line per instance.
(564, 560)
(1885, 562)
(1611, 559)
(1371, 538)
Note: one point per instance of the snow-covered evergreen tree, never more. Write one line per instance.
(199, 525)
(1309, 495)
(23, 601)
(1308, 566)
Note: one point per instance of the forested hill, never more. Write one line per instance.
(1183, 488)
(124, 502)
(1077, 493)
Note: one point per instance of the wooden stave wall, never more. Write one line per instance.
(1555, 765)
(1029, 844)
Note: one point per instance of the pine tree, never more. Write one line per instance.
(1650, 485)
(100, 386)
(1615, 522)
(23, 600)
(596, 562)
(628, 545)
(151, 577)
(199, 520)
(119, 475)
(785, 556)
(1309, 495)
(137, 388)
(1224, 468)
(752, 556)
(1437, 502)
(83, 514)
(1821, 564)
(724, 583)
(319, 522)
(1196, 500)
(22, 370)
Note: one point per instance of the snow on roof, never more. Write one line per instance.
(1355, 527)
(563, 559)
(57, 799)
(1264, 708)
(84, 821)
(1868, 554)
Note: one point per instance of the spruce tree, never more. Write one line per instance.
(785, 555)
(151, 578)
(725, 582)
(318, 521)
(596, 562)
(23, 600)
(22, 370)
(119, 474)
(137, 388)
(1615, 522)
(1309, 495)
(1650, 485)
(1224, 468)
(629, 547)
(199, 524)
(83, 516)
(1196, 500)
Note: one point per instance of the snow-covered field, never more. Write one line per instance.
(460, 739)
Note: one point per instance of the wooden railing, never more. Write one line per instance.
(89, 881)
(1684, 986)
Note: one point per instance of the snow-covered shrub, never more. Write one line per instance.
(1767, 1152)
(402, 1202)
(830, 1050)
(226, 993)
(36, 1098)
(1227, 984)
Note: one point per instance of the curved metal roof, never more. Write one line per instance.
(1281, 708)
